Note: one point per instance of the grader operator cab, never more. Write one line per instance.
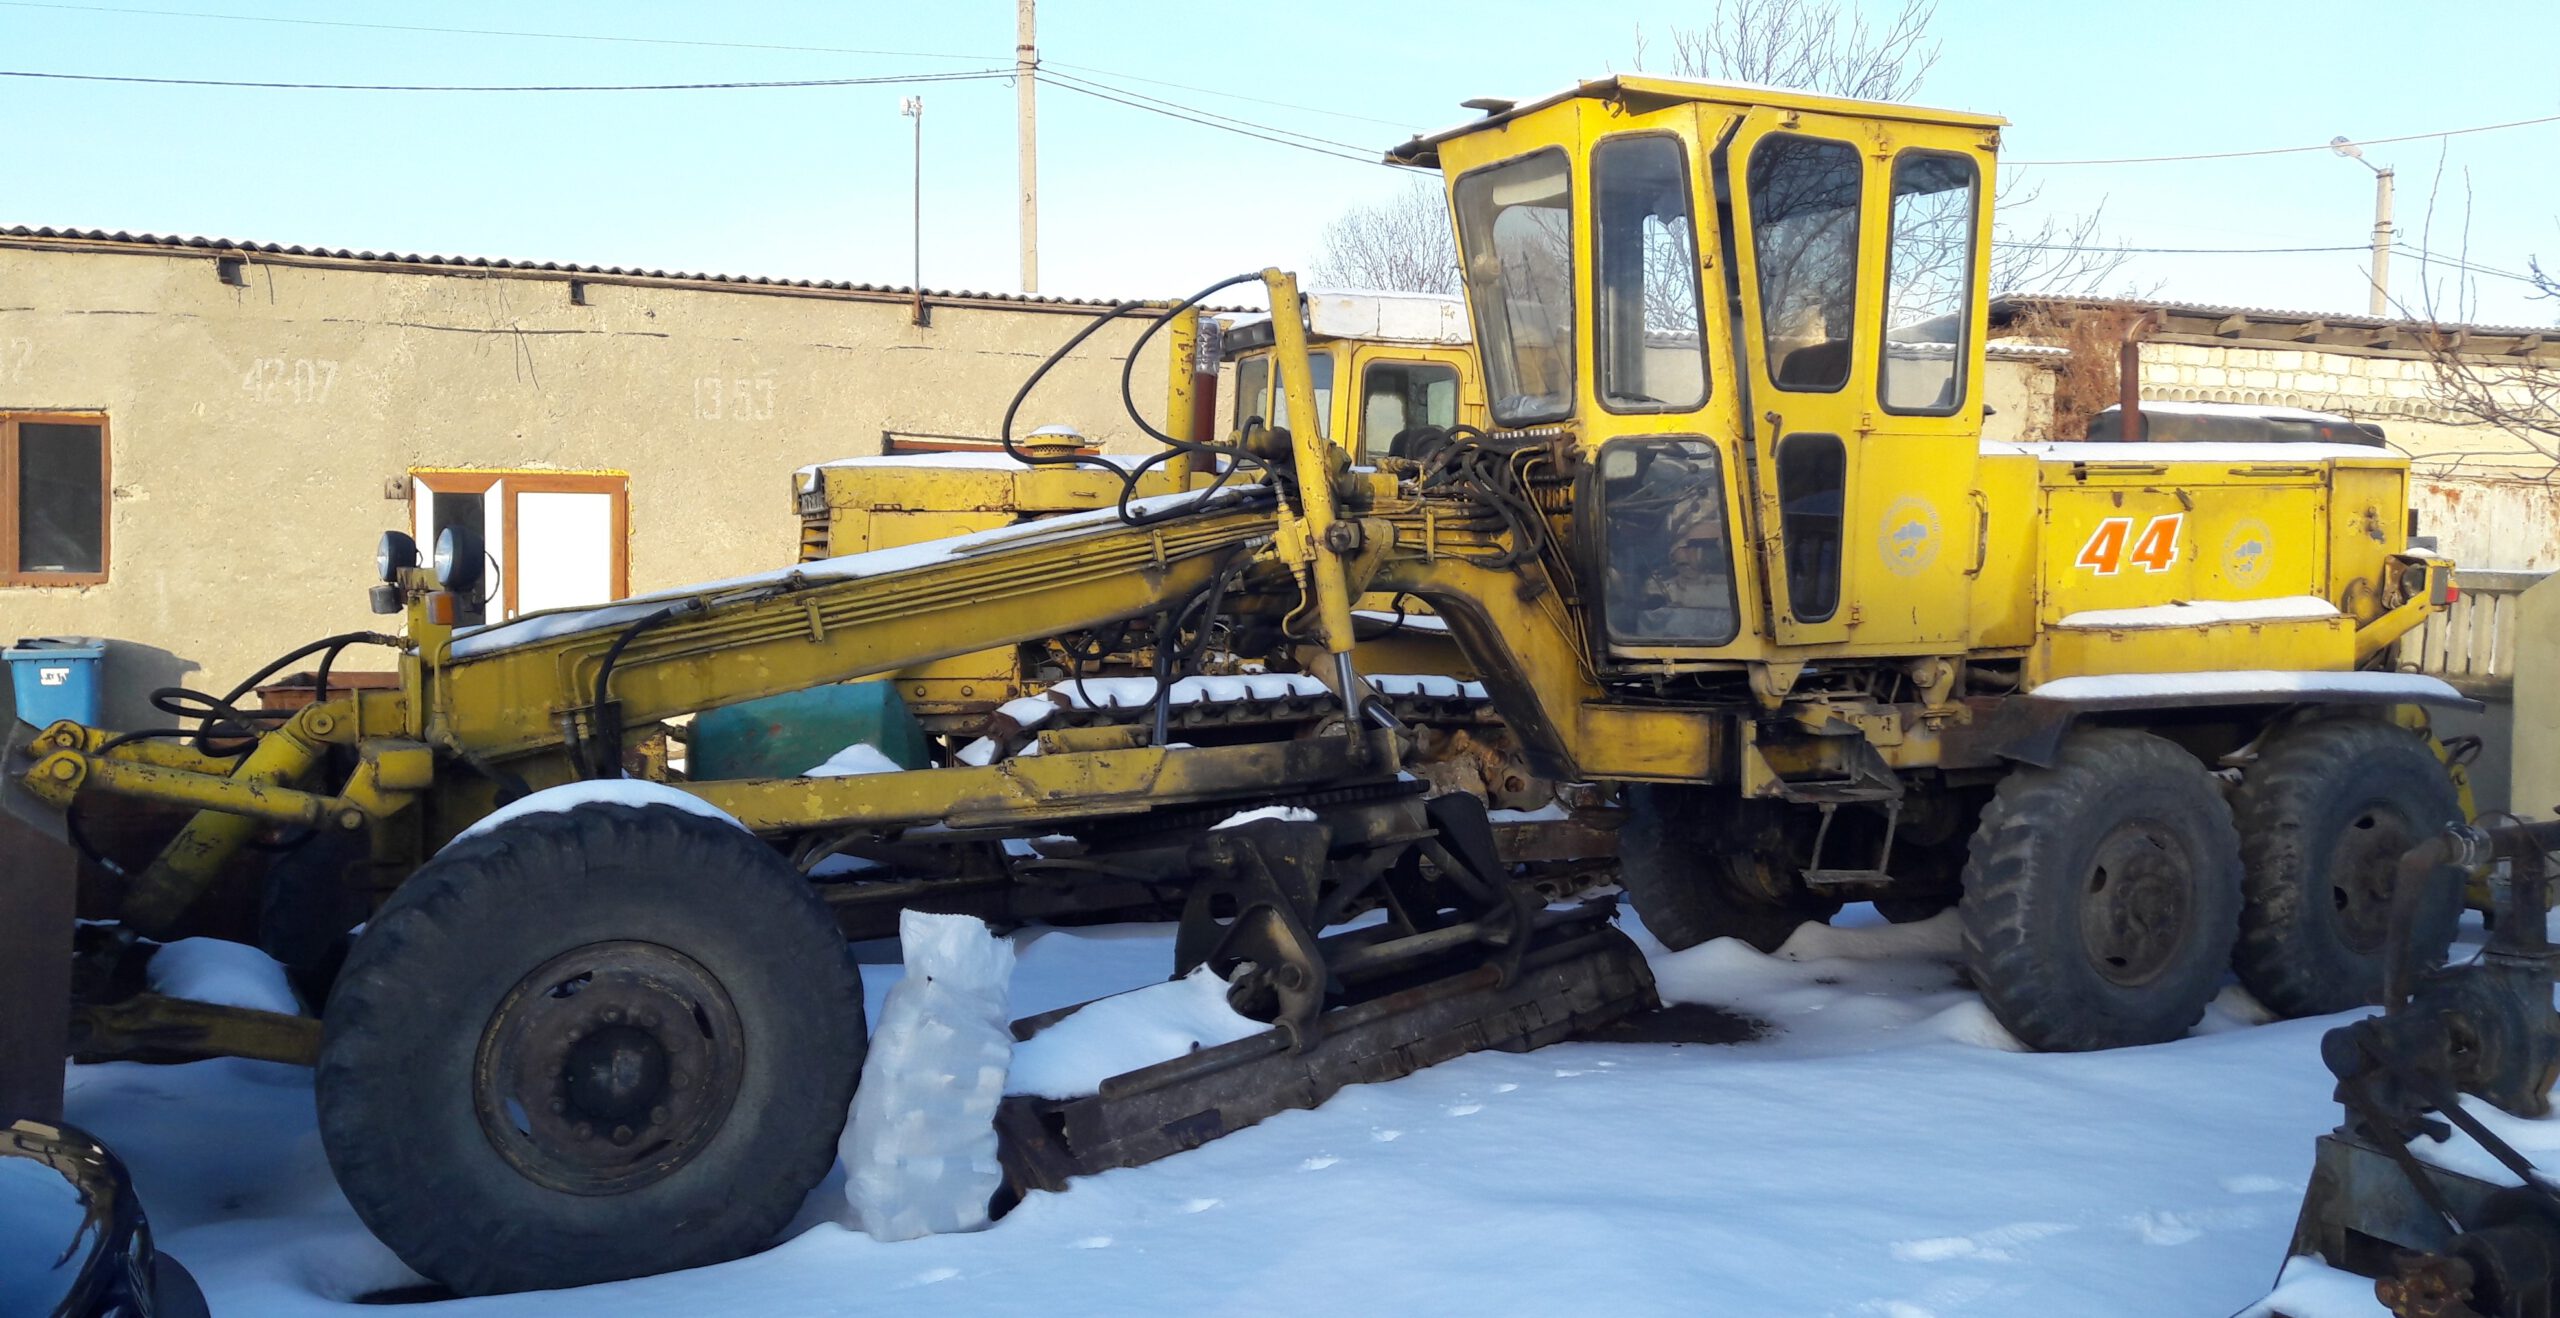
(1729, 544)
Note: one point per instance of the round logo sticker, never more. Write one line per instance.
(2247, 552)
(1908, 539)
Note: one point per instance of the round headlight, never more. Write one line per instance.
(457, 561)
(397, 553)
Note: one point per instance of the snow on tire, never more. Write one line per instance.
(2102, 894)
(588, 1045)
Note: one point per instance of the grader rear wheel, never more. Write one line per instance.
(1699, 863)
(2102, 895)
(589, 1045)
(2327, 811)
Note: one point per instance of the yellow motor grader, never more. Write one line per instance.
(1729, 543)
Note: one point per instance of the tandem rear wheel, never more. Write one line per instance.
(589, 1045)
(2105, 895)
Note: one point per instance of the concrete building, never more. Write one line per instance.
(201, 440)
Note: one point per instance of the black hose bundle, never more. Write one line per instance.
(1492, 474)
(1236, 458)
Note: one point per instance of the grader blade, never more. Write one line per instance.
(1578, 975)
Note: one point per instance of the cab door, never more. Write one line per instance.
(1797, 189)
(1864, 413)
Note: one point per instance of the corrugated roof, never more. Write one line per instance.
(219, 246)
(2269, 314)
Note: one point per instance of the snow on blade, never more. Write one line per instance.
(1287, 814)
(1119, 1034)
(2195, 613)
(859, 758)
(597, 791)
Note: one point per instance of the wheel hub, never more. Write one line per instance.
(608, 1067)
(2136, 907)
(2364, 867)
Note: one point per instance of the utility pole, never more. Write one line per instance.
(1026, 65)
(2380, 303)
(914, 109)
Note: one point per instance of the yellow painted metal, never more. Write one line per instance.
(154, 1027)
(1950, 553)
(1310, 543)
(1182, 385)
(804, 631)
(196, 857)
(1067, 785)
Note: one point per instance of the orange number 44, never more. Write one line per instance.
(2154, 550)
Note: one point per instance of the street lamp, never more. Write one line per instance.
(913, 108)
(2381, 303)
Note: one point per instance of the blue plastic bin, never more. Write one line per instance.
(56, 677)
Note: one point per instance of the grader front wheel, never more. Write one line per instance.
(589, 1045)
(1700, 863)
(2102, 894)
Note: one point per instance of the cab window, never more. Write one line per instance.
(1398, 400)
(1804, 237)
(1928, 282)
(1253, 381)
(1320, 373)
(1670, 568)
(1515, 235)
(1646, 330)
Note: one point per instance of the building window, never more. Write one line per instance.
(53, 499)
(553, 539)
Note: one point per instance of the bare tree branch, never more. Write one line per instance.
(1402, 243)
(2515, 394)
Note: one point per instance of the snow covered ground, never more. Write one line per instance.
(1884, 1149)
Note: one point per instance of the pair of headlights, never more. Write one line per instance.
(456, 566)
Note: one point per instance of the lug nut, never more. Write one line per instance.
(658, 1115)
(622, 1134)
(612, 1015)
(559, 1106)
(680, 1080)
(585, 1131)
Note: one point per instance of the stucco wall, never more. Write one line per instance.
(254, 428)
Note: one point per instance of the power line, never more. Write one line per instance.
(541, 87)
(1210, 123)
(2293, 150)
(1230, 95)
(1054, 79)
(483, 32)
(2105, 249)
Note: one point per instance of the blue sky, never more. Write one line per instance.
(814, 182)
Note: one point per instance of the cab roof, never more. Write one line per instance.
(1646, 92)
